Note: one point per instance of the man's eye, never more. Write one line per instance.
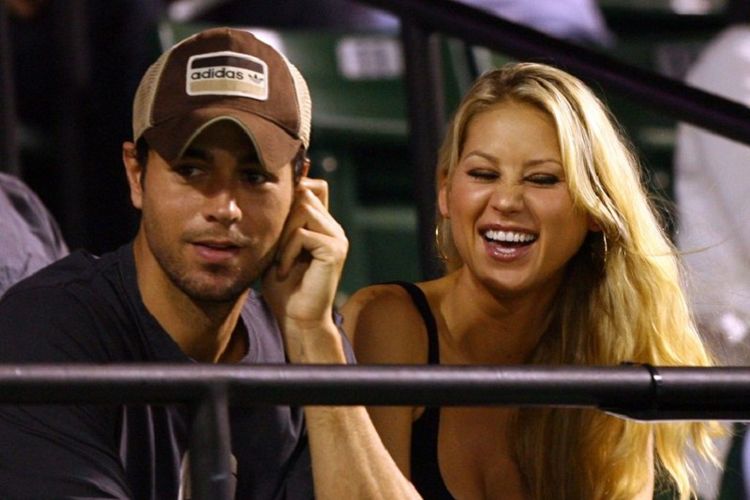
(187, 171)
(255, 177)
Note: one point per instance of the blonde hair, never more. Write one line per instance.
(622, 299)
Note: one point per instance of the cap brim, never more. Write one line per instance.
(275, 146)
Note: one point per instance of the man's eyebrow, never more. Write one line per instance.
(196, 153)
(250, 157)
(205, 155)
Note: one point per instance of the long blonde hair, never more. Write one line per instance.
(622, 300)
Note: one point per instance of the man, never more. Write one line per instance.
(29, 236)
(221, 123)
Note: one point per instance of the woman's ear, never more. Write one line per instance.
(443, 205)
(133, 171)
(593, 224)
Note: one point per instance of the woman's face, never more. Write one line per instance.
(510, 210)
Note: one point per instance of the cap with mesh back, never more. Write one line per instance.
(219, 74)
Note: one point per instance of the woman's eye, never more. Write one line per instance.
(544, 179)
(483, 174)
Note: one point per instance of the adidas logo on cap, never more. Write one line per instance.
(227, 73)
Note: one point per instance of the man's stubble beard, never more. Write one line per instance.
(198, 284)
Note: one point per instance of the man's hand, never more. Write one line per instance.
(348, 457)
(301, 285)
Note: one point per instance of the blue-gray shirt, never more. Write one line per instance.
(29, 236)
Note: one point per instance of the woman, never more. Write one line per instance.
(554, 255)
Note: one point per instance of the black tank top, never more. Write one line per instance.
(425, 472)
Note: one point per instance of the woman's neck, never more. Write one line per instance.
(486, 328)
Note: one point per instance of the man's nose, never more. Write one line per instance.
(222, 207)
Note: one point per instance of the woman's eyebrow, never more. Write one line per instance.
(481, 154)
(530, 163)
(540, 161)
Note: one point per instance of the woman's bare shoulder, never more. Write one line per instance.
(385, 326)
(377, 297)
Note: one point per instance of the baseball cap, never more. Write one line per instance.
(223, 74)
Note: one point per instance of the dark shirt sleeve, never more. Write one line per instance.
(338, 318)
(64, 451)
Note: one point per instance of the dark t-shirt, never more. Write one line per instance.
(88, 309)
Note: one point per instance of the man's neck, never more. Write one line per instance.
(206, 331)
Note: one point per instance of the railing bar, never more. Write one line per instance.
(9, 146)
(426, 102)
(211, 477)
(682, 102)
(685, 392)
(71, 41)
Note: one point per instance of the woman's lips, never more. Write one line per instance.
(505, 252)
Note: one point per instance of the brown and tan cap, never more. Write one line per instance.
(218, 74)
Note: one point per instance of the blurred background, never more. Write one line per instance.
(69, 69)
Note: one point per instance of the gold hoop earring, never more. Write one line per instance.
(439, 244)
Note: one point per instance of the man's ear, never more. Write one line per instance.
(134, 171)
(304, 169)
(443, 195)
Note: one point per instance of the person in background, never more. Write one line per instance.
(578, 21)
(712, 175)
(711, 178)
(29, 236)
(554, 255)
(217, 168)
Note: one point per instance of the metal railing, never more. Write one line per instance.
(642, 392)
(9, 155)
(636, 391)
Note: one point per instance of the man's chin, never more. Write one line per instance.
(218, 293)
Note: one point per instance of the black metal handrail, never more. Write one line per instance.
(9, 154)
(643, 392)
(637, 391)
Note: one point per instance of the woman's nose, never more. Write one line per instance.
(508, 197)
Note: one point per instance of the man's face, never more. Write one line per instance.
(212, 220)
